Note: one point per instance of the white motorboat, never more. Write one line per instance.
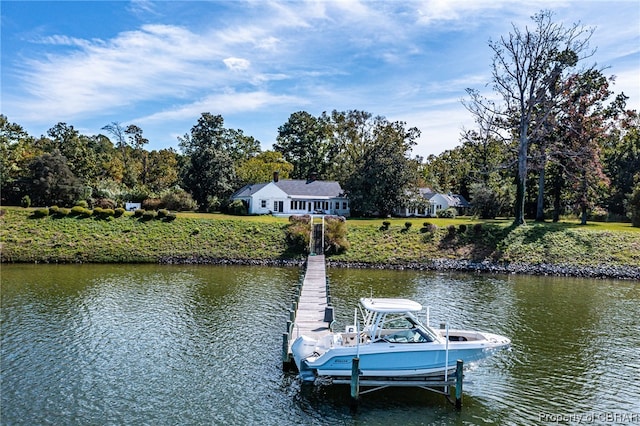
(392, 343)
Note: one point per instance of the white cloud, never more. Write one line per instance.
(237, 64)
(410, 61)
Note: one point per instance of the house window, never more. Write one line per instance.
(263, 204)
(298, 205)
(344, 205)
(337, 205)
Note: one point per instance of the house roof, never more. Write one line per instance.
(297, 188)
(248, 190)
(454, 200)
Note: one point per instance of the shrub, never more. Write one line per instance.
(138, 213)
(148, 215)
(62, 212)
(298, 233)
(214, 204)
(178, 199)
(335, 234)
(195, 231)
(305, 219)
(237, 207)
(81, 203)
(104, 203)
(451, 230)
(53, 210)
(108, 213)
(407, 225)
(429, 227)
(170, 217)
(25, 201)
(162, 213)
(151, 204)
(103, 213)
(477, 229)
(462, 228)
(385, 225)
(80, 211)
(429, 231)
(449, 213)
(118, 212)
(598, 214)
(40, 213)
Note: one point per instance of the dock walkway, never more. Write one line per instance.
(312, 314)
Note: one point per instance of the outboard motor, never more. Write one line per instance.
(302, 348)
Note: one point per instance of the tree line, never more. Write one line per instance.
(553, 139)
(369, 155)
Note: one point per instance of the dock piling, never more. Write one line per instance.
(459, 375)
(355, 380)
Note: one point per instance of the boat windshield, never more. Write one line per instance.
(406, 336)
(397, 328)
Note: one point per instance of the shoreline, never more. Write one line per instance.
(455, 265)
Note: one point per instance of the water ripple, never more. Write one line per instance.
(145, 344)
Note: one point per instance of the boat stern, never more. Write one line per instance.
(302, 348)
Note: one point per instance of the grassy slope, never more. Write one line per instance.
(217, 236)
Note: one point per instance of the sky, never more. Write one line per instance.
(161, 64)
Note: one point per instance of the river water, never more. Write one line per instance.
(169, 345)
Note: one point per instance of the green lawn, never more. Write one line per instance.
(204, 235)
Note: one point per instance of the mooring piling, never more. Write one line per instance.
(355, 379)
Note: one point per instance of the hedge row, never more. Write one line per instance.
(101, 213)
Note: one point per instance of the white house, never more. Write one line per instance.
(294, 197)
(429, 203)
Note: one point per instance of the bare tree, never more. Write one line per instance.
(526, 68)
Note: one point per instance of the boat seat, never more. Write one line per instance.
(350, 339)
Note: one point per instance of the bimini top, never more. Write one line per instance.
(390, 305)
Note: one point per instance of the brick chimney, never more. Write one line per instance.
(276, 176)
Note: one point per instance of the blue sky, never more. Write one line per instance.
(160, 64)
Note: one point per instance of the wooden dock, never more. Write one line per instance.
(311, 314)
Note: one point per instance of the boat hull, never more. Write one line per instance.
(382, 359)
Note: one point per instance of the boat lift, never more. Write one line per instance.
(442, 387)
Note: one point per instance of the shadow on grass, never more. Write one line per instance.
(489, 239)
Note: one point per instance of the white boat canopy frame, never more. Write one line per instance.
(390, 306)
(379, 313)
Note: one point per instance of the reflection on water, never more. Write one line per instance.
(107, 344)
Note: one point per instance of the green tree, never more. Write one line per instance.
(634, 203)
(622, 159)
(17, 150)
(383, 175)
(53, 182)
(211, 151)
(584, 120)
(78, 149)
(349, 134)
(302, 141)
(526, 66)
(261, 168)
(162, 169)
